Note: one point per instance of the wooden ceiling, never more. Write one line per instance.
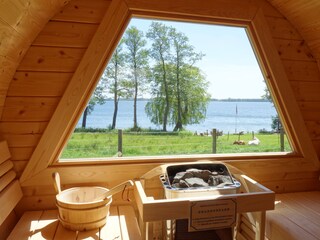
(305, 16)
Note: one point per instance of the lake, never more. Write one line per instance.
(252, 116)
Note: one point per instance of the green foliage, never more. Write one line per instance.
(178, 89)
(94, 145)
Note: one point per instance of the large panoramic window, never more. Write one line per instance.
(174, 88)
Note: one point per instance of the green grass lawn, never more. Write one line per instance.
(92, 145)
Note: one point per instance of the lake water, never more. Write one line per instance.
(252, 116)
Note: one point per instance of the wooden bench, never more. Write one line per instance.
(296, 216)
(121, 225)
(10, 190)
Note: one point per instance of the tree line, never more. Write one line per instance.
(162, 64)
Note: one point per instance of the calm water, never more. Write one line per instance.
(252, 116)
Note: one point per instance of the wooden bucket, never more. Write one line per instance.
(83, 208)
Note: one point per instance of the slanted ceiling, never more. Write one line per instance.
(43, 42)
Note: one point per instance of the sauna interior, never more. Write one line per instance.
(52, 54)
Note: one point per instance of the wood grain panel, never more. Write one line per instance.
(293, 50)
(22, 127)
(281, 28)
(38, 84)
(302, 70)
(21, 153)
(51, 59)
(9, 197)
(314, 129)
(29, 108)
(306, 91)
(65, 34)
(22, 140)
(18, 167)
(83, 11)
(5, 154)
(11, 42)
(305, 16)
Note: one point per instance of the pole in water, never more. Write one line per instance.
(236, 118)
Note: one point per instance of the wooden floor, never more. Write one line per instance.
(296, 217)
(121, 225)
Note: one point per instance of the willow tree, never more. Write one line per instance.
(179, 90)
(187, 80)
(137, 60)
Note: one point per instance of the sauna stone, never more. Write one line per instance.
(199, 178)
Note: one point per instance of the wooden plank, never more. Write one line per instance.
(83, 11)
(53, 59)
(38, 84)
(216, 9)
(29, 108)
(35, 203)
(22, 140)
(65, 34)
(9, 198)
(313, 129)
(5, 167)
(7, 226)
(19, 166)
(5, 154)
(112, 229)
(282, 28)
(22, 127)
(306, 209)
(306, 91)
(248, 231)
(79, 89)
(26, 225)
(63, 233)
(128, 223)
(47, 225)
(280, 88)
(88, 235)
(11, 42)
(293, 50)
(281, 224)
(301, 70)
(6, 179)
(21, 153)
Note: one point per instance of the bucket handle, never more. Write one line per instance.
(56, 182)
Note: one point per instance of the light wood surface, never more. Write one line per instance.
(296, 216)
(120, 225)
(281, 31)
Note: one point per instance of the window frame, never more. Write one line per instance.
(118, 15)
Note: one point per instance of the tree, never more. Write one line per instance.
(98, 97)
(179, 89)
(160, 52)
(114, 75)
(137, 59)
(183, 59)
(276, 124)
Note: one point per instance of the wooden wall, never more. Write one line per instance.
(48, 65)
(44, 73)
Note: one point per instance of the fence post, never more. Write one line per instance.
(214, 140)
(119, 142)
(281, 140)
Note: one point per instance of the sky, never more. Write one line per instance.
(229, 64)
